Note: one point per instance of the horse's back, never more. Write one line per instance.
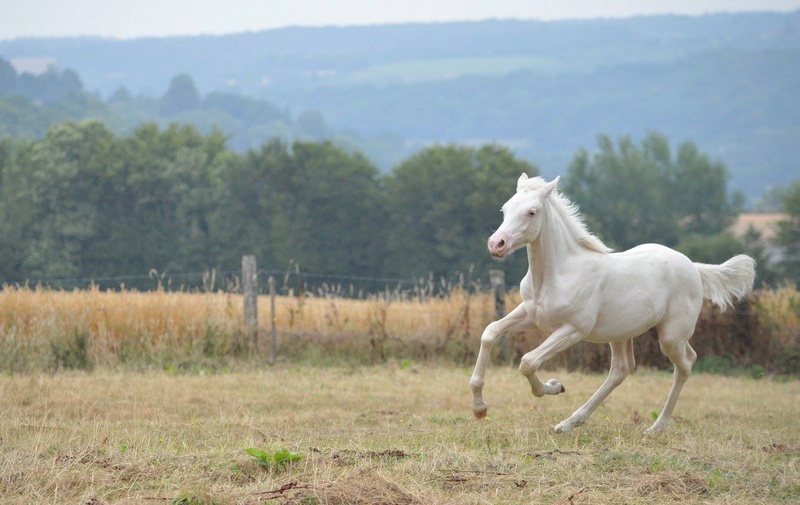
(656, 262)
(642, 286)
(663, 269)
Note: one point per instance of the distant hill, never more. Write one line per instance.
(727, 82)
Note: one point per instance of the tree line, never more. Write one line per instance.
(84, 202)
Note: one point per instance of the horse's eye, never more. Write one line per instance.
(531, 212)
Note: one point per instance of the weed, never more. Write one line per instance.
(192, 499)
(273, 460)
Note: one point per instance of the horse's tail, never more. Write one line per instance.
(728, 281)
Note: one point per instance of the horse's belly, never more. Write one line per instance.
(610, 333)
(627, 319)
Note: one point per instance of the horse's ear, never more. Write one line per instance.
(550, 186)
(521, 181)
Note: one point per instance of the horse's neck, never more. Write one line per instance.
(553, 247)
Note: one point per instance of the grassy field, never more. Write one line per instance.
(395, 434)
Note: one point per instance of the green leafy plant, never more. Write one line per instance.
(191, 499)
(275, 459)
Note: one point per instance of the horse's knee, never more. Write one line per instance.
(527, 369)
(490, 334)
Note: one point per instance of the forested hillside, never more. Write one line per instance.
(726, 82)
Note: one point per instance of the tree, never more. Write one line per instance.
(713, 249)
(164, 198)
(443, 204)
(9, 82)
(312, 204)
(181, 96)
(51, 191)
(83, 202)
(700, 193)
(339, 195)
(10, 253)
(788, 234)
(242, 221)
(635, 194)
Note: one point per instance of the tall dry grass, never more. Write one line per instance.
(49, 329)
(779, 319)
(42, 329)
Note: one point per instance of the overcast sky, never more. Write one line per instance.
(140, 18)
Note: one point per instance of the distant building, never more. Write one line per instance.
(765, 224)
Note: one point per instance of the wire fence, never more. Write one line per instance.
(293, 282)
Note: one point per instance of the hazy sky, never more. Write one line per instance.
(139, 18)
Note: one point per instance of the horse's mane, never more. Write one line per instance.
(570, 214)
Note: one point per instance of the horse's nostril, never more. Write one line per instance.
(501, 243)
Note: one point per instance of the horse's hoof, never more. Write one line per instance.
(481, 412)
(563, 428)
(567, 425)
(558, 387)
(655, 430)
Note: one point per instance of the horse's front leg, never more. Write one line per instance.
(560, 340)
(514, 320)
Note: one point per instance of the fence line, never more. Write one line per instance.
(216, 280)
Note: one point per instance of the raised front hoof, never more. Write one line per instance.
(554, 387)
(480, 411)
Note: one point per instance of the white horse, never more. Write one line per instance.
(577, 289)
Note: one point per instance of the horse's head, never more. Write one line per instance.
(522, 216)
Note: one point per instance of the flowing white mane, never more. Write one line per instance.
(570, 214)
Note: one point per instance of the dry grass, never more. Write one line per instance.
(46, 330)
(43, 329)
(779, 312)
(389, 435)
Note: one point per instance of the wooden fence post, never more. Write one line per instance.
(497, 280)
(249, 283)
(273, 348)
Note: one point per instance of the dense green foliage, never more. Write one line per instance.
(645, 194)
(84, 202)
(449, 199)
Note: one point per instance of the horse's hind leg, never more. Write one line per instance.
(673, 339)
(622, 364)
